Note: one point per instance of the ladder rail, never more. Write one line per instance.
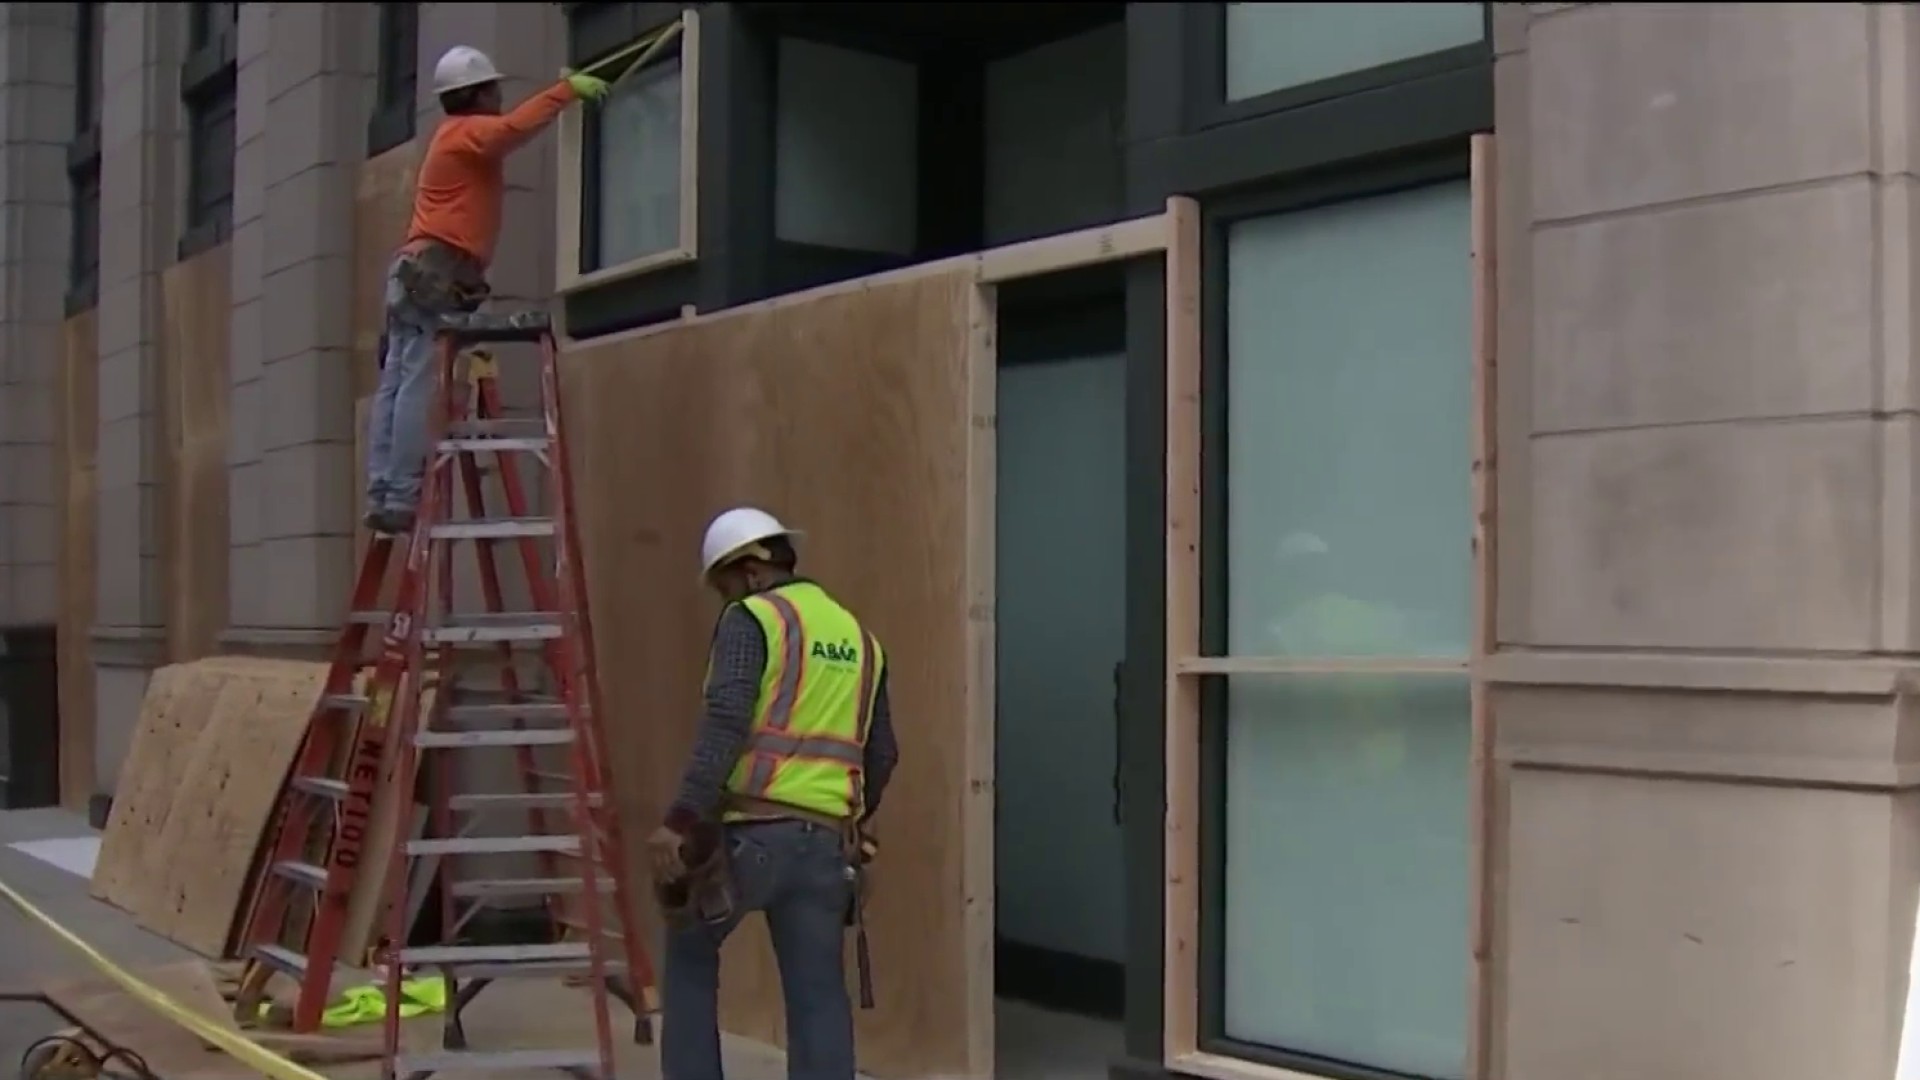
(423, 560)
(573, 576)
(295, 816)
(574, 695)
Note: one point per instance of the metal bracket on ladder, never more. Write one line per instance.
(421, 705)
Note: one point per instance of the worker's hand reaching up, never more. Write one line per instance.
(586, 87)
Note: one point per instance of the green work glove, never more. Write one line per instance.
(586, 87)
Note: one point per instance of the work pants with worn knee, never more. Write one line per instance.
(397, 420)
(796, 873)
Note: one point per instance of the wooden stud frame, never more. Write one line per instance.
(1186, 667)
(572, 141)
(1175, 232)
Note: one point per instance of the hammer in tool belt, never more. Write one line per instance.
(863, 849)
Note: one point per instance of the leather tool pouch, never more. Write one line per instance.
(439, 279)
(705, 895)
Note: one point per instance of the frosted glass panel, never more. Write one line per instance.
(1061, 628)
(1348, 492)
(1348, 341)
(1055, 125)
(840, 183)
(640, 166)
(1274, 46)
(1346, 869)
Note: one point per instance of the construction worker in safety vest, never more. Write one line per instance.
(442, 265)
(791, 758)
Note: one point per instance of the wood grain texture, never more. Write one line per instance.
(77, 448)
(206, 763)
(193, 416)
(848, 416)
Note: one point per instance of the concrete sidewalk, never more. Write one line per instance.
(34, 957)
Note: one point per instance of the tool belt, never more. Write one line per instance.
(858, 850)
(439, 278)
(705, 894)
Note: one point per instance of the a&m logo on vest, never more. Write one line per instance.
(844, 652)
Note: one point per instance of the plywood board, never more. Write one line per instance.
(177, 701)
(206, 763)
(194, 425)
(225, 794)
(382, 207)
(852, 416)
(124, 1020)
(77, 449)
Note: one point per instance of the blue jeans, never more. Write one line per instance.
(397, 422)
(796, 872)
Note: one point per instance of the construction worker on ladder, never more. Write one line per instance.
(792, 756)
(442, 265)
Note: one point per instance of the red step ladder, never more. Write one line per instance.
(320, 840)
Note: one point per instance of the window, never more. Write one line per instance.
(207, 91)
(83, 161)
(1341, 771)
(393, 107)
(1276, 46)
(631, 161)
(850, 187)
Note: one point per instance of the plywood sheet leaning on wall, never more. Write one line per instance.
(207, 762)
(78, 446)
(194, 421)
(849, 415)
(382, 207)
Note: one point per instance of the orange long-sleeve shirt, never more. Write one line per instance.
(462, 178)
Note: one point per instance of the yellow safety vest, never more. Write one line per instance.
(810, 723)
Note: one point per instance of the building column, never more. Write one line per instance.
(305, 85)
(36, 79)
(139, 195)
(1708, 600)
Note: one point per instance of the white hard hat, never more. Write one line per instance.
(736, 530)
(463, 66)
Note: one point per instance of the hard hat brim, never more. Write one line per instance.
(465, 84)
(734, 552)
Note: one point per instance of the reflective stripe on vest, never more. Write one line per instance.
(815, 707)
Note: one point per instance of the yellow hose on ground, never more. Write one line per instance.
(241, 1048)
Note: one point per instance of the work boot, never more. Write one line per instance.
(391, 521)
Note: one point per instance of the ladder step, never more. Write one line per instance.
(473, 327)
(325, 787)
(461, 1061)
(281, 959)
(524, 445)
(347, 703)
(491, 628)
(464, 694)
(501, 888)
(536, 800)
(473, 740)
(461, 955)
(301, 873)
(517, 710)
(492, 528)
(494, 845)
(524, 427)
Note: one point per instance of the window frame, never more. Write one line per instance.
(396, 78)
(1206, 102)
(208, 89)
(578, 188)
(1199, 665)
(83, 162)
